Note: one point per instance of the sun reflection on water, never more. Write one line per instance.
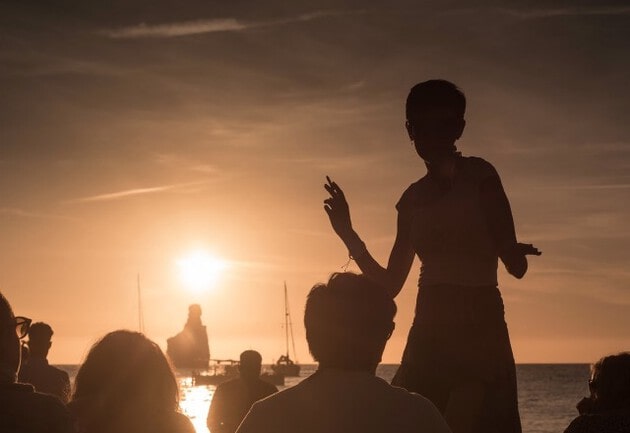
(194, 402)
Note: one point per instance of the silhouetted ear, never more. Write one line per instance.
(409, 130)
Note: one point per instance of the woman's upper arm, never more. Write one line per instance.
(401, 257)
(498, 212)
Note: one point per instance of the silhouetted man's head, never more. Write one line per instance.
(9, 343)
(39, 339)
(250, 364)
(435, 118)
(610, 381)
(348, 321)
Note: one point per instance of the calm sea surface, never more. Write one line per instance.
(547, 394)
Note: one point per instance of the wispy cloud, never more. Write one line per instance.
(169, 30)
(21, 213)
(183, 187)
(582, 226)
(568, 11)
(588, 187)
(177, 29)
(607, 285)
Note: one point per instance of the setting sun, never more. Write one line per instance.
(200, 270)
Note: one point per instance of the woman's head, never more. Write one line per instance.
(435, 118)
(610, 381)
(9, 343)
(126, 375)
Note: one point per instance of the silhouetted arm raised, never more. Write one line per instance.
(401, 257)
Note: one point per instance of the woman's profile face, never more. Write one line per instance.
(592, 384)
(10, 345)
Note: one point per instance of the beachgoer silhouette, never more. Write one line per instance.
(126, 385)
(22, 410)
(189, 348)
(348, 321)
(36, 370)
(233, 399)
(607, 408)
(457, 220)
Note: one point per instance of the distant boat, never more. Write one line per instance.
(222, 370)
(285, 366)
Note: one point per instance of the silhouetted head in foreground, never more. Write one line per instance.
(12, 329)
(610, 382)
(125, 384)
(250, 365)
(39, 340)
(348, 321)
(435, 118)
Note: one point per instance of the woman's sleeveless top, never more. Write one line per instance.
(448, 227)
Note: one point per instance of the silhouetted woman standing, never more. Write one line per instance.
(457, 219)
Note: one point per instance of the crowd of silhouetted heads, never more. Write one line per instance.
(126, 383)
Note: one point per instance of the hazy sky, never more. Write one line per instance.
(132, 135)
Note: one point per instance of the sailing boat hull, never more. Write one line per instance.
(291, 370)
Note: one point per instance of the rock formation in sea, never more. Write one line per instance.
(189, 348)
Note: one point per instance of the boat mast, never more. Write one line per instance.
(288, 325)
(286, 319)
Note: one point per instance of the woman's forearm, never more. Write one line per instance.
(394, 275)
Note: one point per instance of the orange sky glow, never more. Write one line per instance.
(126, 147)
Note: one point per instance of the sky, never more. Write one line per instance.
(135, 133)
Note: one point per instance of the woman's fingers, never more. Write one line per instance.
(332, 187)
(529, 249)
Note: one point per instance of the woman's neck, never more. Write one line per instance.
(444, 168)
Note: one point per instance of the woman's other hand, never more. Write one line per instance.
(515, 258)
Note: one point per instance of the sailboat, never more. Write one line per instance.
(285, 365)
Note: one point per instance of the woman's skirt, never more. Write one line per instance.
(459, 337)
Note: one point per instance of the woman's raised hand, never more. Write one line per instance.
(337, 209)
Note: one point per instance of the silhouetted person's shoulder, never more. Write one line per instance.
(341, 401)
(426, 191)
(178, 423)
(46, 378)
(22, 410)
(256, 387)
(232, 400)
(600, 423)
(477, 167)
(417, 194)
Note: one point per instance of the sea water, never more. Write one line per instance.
(547, 394)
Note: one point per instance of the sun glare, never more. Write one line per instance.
(200, 270)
